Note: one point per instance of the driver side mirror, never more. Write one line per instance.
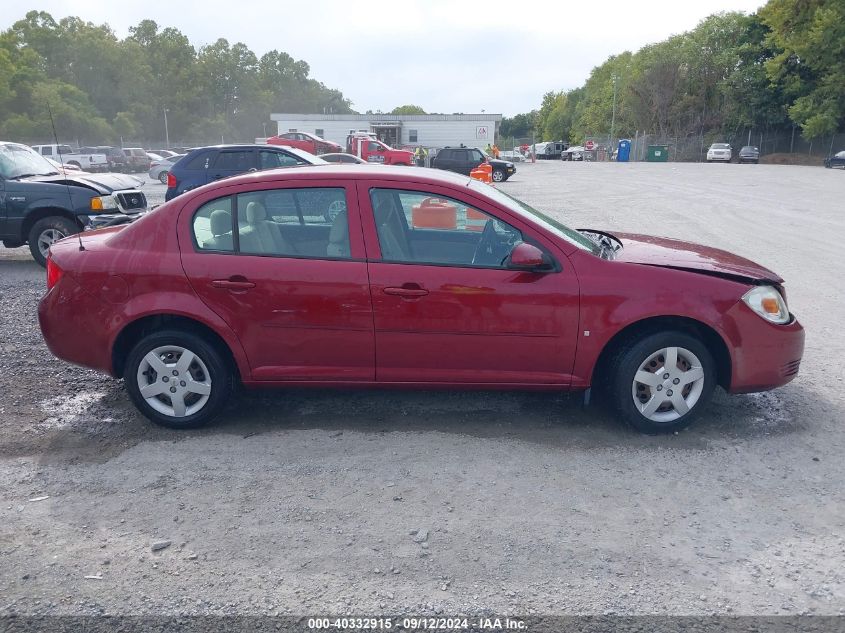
(528, 257)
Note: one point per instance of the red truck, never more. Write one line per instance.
(372, 150)
(305, 141)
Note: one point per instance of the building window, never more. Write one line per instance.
(293, 129)
(412, 136)
(319, 132)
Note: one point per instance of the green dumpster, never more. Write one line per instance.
(658, 153)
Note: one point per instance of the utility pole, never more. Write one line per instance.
(612, 120)
(166, 131)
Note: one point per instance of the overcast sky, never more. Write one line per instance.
(444, 55)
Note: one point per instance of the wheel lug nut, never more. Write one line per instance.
(173, 390)
(165, 379)
(669, 393)
(176, 373)
(676, 381)
(665, 376)
(660, 387)
(183, 383)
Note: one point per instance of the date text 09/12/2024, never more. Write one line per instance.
(418, 623)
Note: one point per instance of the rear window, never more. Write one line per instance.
(234, 161)
(197, 162)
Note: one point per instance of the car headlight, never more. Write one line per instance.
(768, 303)
(103, 203)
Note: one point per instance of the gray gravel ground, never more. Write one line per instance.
(309, 502)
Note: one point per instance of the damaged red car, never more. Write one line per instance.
(387, 277)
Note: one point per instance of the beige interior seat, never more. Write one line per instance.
(262, 236)
(220, 224)
(339, 237)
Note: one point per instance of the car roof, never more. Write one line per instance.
(348, 171)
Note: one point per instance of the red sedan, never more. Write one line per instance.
(305, 141)
(380, 276)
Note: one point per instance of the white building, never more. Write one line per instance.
(398, 130)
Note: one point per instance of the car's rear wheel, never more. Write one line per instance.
(178, 379)
(662, 381)
(162, 177)
(498, 175)
(45, 233)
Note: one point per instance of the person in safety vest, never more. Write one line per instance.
(420, 154)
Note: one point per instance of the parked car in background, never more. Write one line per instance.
(165, 153)
(464, 159)
(161, 167)
(114, 155)
(67, 168)
(89, 161)
(719, 152)
(305, 141)
(512, 155)
(837, 160)
(573, 153)
(153, 156)
(137, 159)
(749, 154)
(207, 164)
(39, 205)
(343, 157)
(366, 297)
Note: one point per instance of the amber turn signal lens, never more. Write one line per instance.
(770, 305)
(96, 204)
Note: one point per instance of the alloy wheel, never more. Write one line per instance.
(47, 238)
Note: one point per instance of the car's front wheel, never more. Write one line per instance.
(178, 379)
(498, 175)
(45, 233)
(662, 381)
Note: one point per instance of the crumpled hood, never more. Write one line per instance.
(671, 253)
(102, 183)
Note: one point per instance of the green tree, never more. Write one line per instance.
(810, 64)
(407, 109)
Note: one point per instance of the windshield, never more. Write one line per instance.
(720, 146)
(20, 160)
(549, 223)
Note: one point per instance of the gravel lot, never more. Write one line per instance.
(308, 502)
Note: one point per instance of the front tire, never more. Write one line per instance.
(661, 382)
(498, 175)
(178, 379)
(45, 233)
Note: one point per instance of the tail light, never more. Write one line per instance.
(171, 180)
(54, 273)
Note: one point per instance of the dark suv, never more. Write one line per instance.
(464, 159)
(115, 156)
(206, 164)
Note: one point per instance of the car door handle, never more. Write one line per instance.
(233, 284)
(407, 291)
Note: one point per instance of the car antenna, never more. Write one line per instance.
(62, 163)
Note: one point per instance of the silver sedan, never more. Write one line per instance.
(160, 168)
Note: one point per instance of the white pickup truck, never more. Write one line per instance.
(69, 156)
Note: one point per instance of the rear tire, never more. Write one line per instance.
(45, 232)
(162, 177)
(660, 382)
(186, 380)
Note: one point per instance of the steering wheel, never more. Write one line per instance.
(485, 244)
(335, 209)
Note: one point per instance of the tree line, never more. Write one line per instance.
(101, 88)
(781, 67)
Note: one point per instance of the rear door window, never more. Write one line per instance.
(199, 162)
(234, 161)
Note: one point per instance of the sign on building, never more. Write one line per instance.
(482, 132)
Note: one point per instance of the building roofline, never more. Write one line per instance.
(385, 117)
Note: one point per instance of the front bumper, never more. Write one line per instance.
(764, 355)
(723, 158)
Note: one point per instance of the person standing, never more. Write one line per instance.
(420, 154)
